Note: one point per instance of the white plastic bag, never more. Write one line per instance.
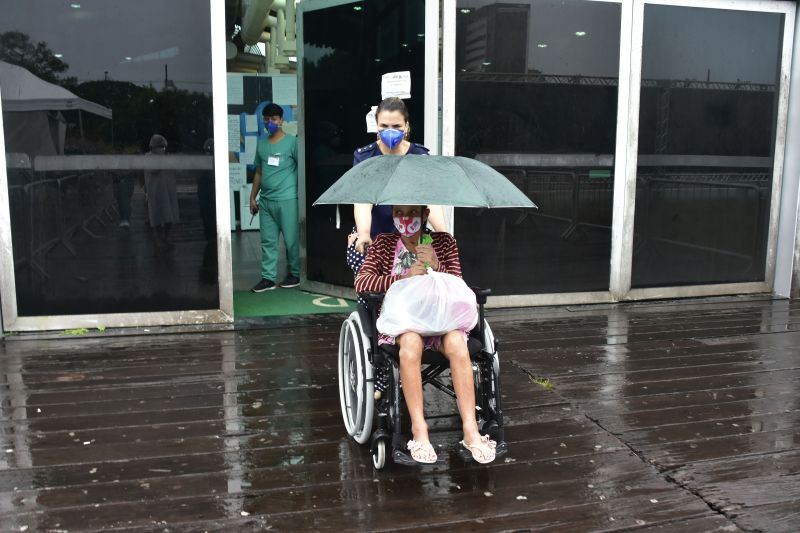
(433, 304)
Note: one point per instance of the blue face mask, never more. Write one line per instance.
(272, 128)
(391, 137)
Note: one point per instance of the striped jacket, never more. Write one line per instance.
(376, 274)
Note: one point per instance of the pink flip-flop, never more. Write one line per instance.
(422, 452)
(484, 451)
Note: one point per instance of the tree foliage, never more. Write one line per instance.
(183, 117)
(16, 48)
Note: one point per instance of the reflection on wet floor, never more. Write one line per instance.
(676, 416)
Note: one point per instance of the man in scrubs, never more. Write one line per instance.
(274, 198)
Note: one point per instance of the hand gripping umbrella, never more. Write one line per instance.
(430, 180)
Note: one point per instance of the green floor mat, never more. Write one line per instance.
(281, 302)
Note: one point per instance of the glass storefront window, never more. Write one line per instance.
(707, 123)
(536, 98)
(108, 135)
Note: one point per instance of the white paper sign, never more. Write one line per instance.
(238, 175)
(233, 133)
(396, 84)
(251, 124)
(235, 89)
(249, 154)
(284, 90)
(372, 124)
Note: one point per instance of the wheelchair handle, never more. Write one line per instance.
(481, 294)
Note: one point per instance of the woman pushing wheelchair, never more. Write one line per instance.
(401, 256)
(426, 306)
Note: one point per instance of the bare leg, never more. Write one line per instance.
(455, 349)
(411, 346)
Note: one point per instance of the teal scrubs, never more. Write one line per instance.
(277, 204)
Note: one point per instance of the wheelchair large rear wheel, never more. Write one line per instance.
(356, 388)
(487, 387)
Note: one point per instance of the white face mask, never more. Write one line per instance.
(407, 226)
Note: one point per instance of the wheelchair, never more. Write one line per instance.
(369, 383)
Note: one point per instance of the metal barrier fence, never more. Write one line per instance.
(578, 198)
(48, 209)
(723, 213)
(583, 198)
(55, 197)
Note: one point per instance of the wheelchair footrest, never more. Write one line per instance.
(499, 451)
(402, 457)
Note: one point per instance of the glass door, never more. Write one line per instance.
(344, 49)
(651, 134)
(536, 97)
(712, 94)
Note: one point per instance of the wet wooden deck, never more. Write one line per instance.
(671, 417)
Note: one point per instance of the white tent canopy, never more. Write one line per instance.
(22, 91)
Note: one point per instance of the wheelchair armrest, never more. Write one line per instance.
(481, 294)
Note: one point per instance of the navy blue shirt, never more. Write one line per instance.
(382, 214)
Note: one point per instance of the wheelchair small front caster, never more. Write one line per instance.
(379, 454)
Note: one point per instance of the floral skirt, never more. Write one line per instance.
(430, 343)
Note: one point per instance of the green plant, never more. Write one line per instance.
(76, 331)
(543, 382)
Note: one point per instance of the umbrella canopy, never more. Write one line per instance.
(424, 180)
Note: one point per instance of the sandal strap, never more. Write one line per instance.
(424, 447)
(485, 439)
(486, 454)
(414, 445)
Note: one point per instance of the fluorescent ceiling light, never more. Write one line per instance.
(59, 56)
(542, 45)
(580, 33)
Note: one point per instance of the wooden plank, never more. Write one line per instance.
(187, 432)
(671, 455)
(776, 517)
(346, 505)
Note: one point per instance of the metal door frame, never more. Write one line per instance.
(8, 298)
(430, 120)
(626, 153)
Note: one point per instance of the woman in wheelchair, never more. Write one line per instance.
(393, 257)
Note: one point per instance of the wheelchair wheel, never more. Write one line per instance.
(379, 455)
(487, 388)
(356, 388)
